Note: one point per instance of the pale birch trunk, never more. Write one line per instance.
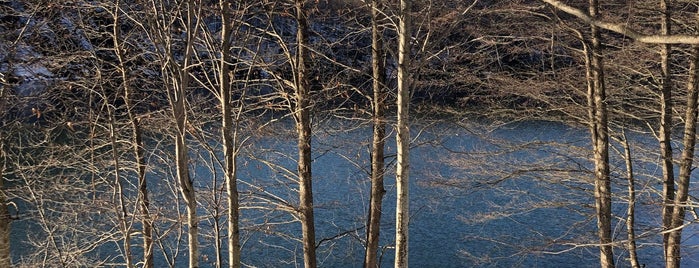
(631, 209)
(665, 131)
(403, 136)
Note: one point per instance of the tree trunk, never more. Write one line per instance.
(229, 142)
(5, 219)
(665, 131)
(303, 129)
(137, 143)
(120, 210)
(187, 190)
(138, 147)
(600, 140)
(403, 136)
(378, 140)
(180, 84)
(631, 209)
(672, 259)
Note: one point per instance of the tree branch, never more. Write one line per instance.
(623, 29)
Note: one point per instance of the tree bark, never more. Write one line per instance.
(137, 143)
(5, 219)
(673, 257)
(303, 129)
(403, 136)
(378, 140)
(665, 131)
(622, 28)
(180, 85)
(600, 140)
(146, 221)
(229, 141)
(176, 73)
(120, 210)
(631, 209)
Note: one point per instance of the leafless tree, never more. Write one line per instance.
(230, 139)
(666, 125)
(403, 134)
(673, 256)
(166, 21)
(138, 146)
(379, 135)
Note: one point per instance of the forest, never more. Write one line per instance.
(288, 133)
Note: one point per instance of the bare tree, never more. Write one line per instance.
(379, 135)
(403, 135)
(673, 256)
(665, 130)
(138, 146)
(176, 58)
(229, 135)
(631, 190)
(302, 118)
(5, 219)
(599, 131)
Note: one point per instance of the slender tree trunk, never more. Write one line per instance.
(180, 84)
(138, 146)
(176, 72)
(665, 131)
(218, 244)
(403, 136)
(303, 129)
(600, 140)
(378, 140)
(187, 189)
(5, 219)
(144, 201)
(229, 142)
(631, 209)
(672, 259)
(120, 210)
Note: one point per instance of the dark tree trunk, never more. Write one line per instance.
(672, 259)
(378, 140)
(5, 219)
(600, 143)
(137, 143)
(303, 129)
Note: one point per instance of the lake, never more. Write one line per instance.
(515, 195)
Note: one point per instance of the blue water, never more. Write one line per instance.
(519, 195)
